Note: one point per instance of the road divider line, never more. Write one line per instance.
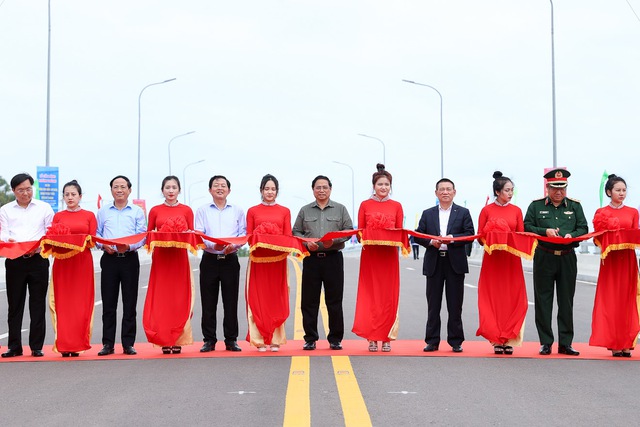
(354, 409)
(297, 408)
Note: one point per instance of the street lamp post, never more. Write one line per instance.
(353, 204)
(139, 99)
(553, 90)
(384, 156)
(169, 146)
(47, 149)
(184, 172)
(441, 135)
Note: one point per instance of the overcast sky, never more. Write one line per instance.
(285, 87)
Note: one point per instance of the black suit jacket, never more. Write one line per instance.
(460, 224)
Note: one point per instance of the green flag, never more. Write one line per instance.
(603, 181)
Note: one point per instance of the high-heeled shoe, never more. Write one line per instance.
(508, 350)
(176, 349)
(166, 350)
(498, 349)
(386, 346)
(373, 346)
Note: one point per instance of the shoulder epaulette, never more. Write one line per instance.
(573, 200)
(539, 200)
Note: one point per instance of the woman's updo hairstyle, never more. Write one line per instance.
(381, 173)
(499, 181)
(613, 179)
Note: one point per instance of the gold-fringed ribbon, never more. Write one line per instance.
(615, 240)
(65, 246)
(184, 240)
(397, 237)
(274, 247)
(517, 244)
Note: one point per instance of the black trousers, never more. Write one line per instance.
(316, 271)
(21, 274)
(117, 271)
(452, 283)
(561, 270)
(219, 276)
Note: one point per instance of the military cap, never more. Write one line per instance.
(557, 177)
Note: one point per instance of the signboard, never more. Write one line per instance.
(48, 185)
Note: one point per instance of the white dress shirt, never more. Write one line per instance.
(25, 224)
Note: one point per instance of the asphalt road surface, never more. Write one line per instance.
(353, 391)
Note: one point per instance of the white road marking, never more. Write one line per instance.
(241, 392)
(402, 392)
(3, 336)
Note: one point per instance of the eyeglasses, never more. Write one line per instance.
(322, 187)
(24, 190)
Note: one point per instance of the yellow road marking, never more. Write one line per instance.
(297, 408)
(353, 406)
(297, 411)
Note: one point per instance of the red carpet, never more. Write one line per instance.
(406, 348)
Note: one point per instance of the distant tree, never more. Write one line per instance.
(6, 195)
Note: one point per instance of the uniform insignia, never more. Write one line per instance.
(568, 212)
(544, 212)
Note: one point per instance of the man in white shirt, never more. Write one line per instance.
(25, 220)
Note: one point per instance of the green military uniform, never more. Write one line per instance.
(555, 263)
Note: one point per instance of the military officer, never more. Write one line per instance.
(555, 215)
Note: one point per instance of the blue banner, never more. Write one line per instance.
(49, 185)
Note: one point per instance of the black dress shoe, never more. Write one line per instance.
(129, 350)
(457, 349)
(335, 346)
(309, 345)
(106, 350)
(231, 346)
(431, 347)
(207, 347)
(545, 349)
(37, 353)
(12, 353)
(568, 350)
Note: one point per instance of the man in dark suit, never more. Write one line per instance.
(445, 264)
